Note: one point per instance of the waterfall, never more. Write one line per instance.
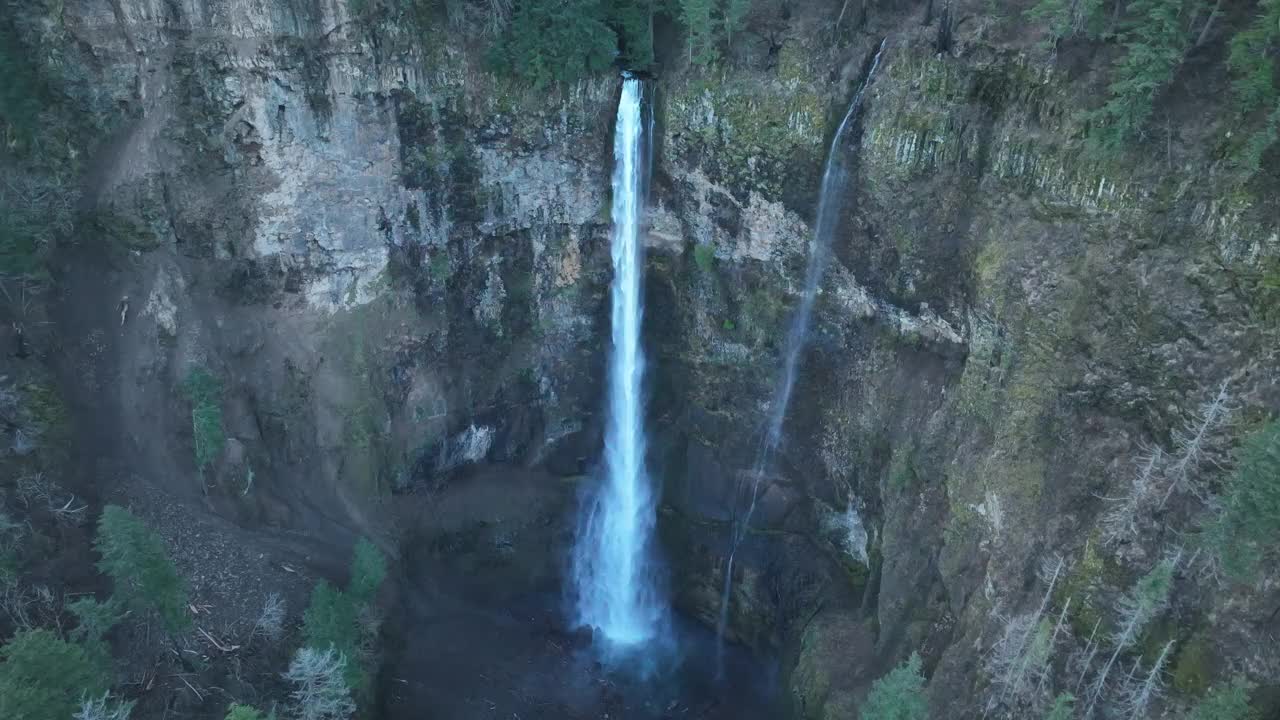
(613, 573)
(834, 177)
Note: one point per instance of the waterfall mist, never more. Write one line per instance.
(616, 583)
(831, 194)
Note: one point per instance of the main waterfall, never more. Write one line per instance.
(834, 177)
(614, 576)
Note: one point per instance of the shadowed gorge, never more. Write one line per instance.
(747, 359)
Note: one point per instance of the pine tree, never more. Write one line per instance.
(633, 20)
(735, 18)
(1156, 39)
(696, 15)
(368, 570)
(898, 695)
(556, 41)
(43, 677)
(1252, 59)
(1066, 18)
(137, 562)
(1245, 529)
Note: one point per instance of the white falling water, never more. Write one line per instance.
(612, 569)
(830, 195)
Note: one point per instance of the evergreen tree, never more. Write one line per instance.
(735, 18)
(556, 41)
(1249, 522)
(136, 560)
(1252, 59)
(696, 15)
(368, 570)
(898, 695)
(94, 620)
(43, 677)
(1156, 38)
(633, 20)
(1066, 18)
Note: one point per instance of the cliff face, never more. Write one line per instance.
(397, 265)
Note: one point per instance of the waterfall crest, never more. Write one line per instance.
(614, 575)
(834, 178)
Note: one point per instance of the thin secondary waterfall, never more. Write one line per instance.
(613, 571)
(834, 177)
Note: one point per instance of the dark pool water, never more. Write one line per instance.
(458, 656)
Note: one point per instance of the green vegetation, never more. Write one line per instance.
(633, 20)
(735, 18)
(1063, 707)
(93, 621)
(898, 695)
(37, 195)
(204, 391)
(368, 570)
(555, 41)
(1244, 532)
(439, 268)
(1225, 703)
(136, 560)
(1191, 669)
(332, 621)
(245, 712)
(44, 677)
(1066, 18)
(337, 620)
(696, 15)
(1156, 39)
(1252, 61)
(704, 257)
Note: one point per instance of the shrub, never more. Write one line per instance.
(320, 688)
(1225, 703)
(898, 695)
(1245, 529)
(136, 560)
(205, 393)
(43, 677)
